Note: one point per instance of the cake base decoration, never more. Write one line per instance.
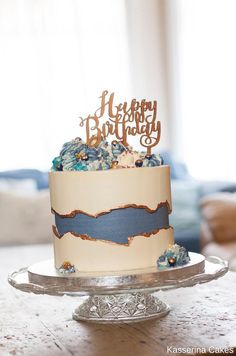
(174, 256)
(67, 268)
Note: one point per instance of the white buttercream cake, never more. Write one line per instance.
(110, 206)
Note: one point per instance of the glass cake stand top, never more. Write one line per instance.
(124, 296)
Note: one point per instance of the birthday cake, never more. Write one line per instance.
(111, 203)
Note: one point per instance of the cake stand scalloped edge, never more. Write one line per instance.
(117, 297)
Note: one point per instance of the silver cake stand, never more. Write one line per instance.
(126, 296)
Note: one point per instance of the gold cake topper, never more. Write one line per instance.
(122, 120)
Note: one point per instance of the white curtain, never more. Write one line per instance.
(203, 55)
(56, 57)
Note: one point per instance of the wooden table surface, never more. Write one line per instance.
(201, 316)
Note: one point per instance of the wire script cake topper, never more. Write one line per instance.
(122, 120)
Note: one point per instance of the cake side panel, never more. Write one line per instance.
(101, 191)
(89, 203)
(86, 255)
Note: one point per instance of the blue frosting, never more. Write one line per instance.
(152, 161)
(117, 148)
(76, 155)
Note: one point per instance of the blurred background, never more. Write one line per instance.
(58, 56)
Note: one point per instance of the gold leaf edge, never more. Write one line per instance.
(130, 238)
(136, 206)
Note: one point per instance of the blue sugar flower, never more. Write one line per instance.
(80, 166)
(56, 164)
(93, 153)
(104, 153)
(104, 165)
(117, 148)
(152, 161)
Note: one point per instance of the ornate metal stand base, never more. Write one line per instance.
(119, 308)
(116, 297)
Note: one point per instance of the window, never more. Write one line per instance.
(55, 56)
(207, 85)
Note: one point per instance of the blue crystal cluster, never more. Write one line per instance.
(175, 256)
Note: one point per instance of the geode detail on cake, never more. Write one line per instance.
(174, 256)
(102, 191)
(116, 226)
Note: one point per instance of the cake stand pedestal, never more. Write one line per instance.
(127, 296)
